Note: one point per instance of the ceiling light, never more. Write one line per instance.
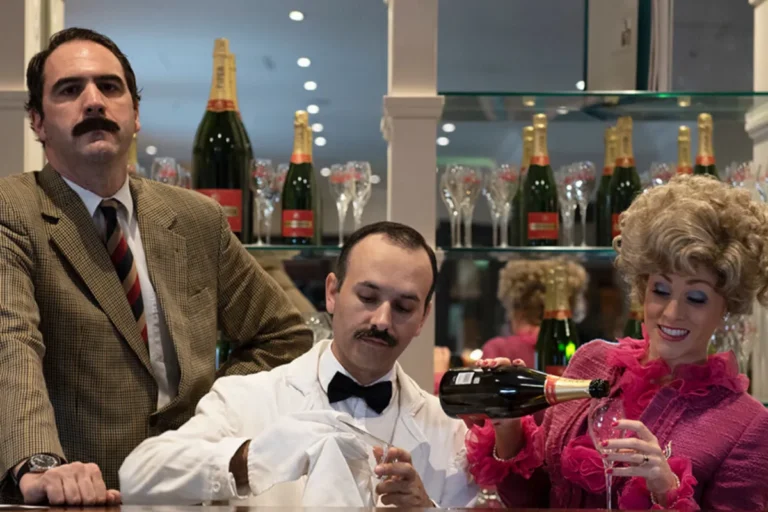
(317, 127)
(310, 86)
(296, 15)
(303, 62)
(151, 150)
(325, 172)
(443, 141)
(313, 109)
(375, 179)
(580, 85)
(562, 110)
(320, 141)
(684, 101)
(449, 127)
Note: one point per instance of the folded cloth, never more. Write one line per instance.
(315, 445)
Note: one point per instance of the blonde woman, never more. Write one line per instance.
(694, 251)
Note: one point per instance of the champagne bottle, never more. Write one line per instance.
(518, 224)
(509, 392)
(634, 326)
(133, 156)
(705, 158)
(316, 195)
(684, 151)
(300, 190)
(603, 217)
(625, 182)
(220, 158)
(231, 62)
(540, 209)
(557, 340)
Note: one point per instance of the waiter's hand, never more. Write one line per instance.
(402, 486)
(68, 484)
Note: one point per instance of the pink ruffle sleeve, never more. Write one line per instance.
(635, 495)
(486, 469)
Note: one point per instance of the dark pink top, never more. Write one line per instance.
(512, 347)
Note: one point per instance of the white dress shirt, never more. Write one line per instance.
(162, 354)
(380, 425)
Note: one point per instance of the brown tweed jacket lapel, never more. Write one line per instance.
(74, 233)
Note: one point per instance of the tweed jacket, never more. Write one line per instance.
(76, 378)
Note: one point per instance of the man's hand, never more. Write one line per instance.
(69, 484)
(401, 485)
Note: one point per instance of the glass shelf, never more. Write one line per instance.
(499, 253)
(598, 105)
(292, 251)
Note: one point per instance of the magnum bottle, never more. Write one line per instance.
(557, 340)
(705, 158)
(684, 151)
(300, 190)
(540, 210)
(634, 326)
(518, 224)
(625, 182)
(220, 156)
(510, 392)
(603, 206)
(233, 88)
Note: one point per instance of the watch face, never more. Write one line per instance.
(42, 462)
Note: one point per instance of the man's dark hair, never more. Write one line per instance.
(399, 234)
(37, 64)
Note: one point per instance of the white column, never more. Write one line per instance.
(26, 26)
(412, 109)
(757, 127)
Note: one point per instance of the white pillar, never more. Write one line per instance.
(412, 109)
(757, 127)
(26, 26)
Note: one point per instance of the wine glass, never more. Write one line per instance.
(450, 193)
(584, 176)
(165, 170)
(361, 172)
(273, 199)
(342, 183)
(567, 200)
(262, 174)
(603, 417)
(500, 188)
(661, 173)
(471, 185)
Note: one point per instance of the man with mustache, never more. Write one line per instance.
(250, 432)
(112, 289)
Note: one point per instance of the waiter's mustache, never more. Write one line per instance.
(95, 123)
(373, 332)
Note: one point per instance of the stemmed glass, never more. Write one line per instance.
(567, 199)
(450, 193)
(745, 175)
(584, 176)
(165, 170)
(262, 174)
(603, 417)
(342, 183)
(661, 173)
(471, 185)
(273, 198)
(361, 172)
(500, 188)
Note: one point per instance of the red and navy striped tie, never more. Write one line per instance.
(122, 259)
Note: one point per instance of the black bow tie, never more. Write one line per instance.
(376, 396)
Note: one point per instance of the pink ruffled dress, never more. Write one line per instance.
(719, 437)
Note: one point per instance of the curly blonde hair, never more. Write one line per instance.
(696, 222)
(522, 285)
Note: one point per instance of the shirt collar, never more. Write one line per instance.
(329, 365)
(92, 200)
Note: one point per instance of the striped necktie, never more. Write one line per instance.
(122, 259)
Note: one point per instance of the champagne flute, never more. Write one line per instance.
(342, 184)
(604, 414)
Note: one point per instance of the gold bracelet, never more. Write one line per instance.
(653, 495)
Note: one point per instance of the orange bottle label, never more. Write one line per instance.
(298, 223)
(615, 226)
(543, 226)
(229, 199)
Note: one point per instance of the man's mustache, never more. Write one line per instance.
(377, 334)
(94, 123)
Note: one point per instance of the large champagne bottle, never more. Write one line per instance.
(300, 190)
(220, 156)
(603, 206)
(540, 210)
(625, 183)
(510, 392)
(518, 224)
(705, 158)
(557, 340)
(684, 151)
(634, 326)
(231, 62)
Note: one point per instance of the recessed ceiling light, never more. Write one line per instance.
(449, 127)
(313, 109)
(317, 127)
(580, 85)
(310, 86)
(375, 179)
(303, 62)
(296, 15)
(320, 141)
(325, 172)
(151, 150)
(443, 141)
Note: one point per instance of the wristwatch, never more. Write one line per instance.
(38, 463)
